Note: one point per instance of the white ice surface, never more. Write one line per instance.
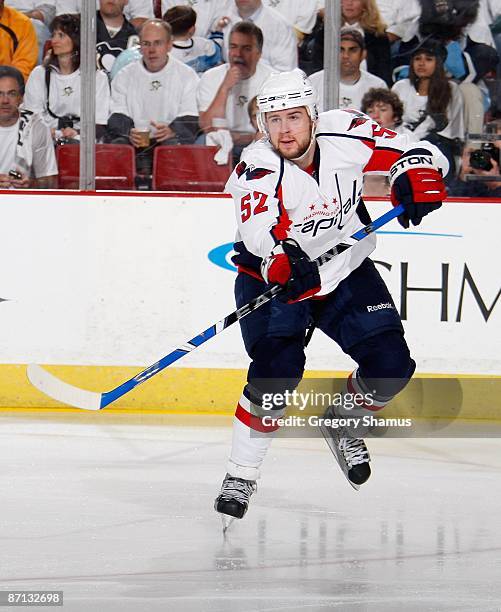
(120, 517)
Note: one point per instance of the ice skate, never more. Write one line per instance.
(234, 498)
(350, 453)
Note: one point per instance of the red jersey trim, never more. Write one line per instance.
(253, 422)
(250, 272)
(382, 159)
(280, 230)
(353, 391)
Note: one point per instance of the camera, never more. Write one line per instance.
(67, 121)
(481, 159)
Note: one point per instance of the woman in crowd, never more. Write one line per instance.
(433, 105)
(364, 15)
(53, 89)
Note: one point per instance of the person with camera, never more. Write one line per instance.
(27, 156)
(53, 89)
(483, 162)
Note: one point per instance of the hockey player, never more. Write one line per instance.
(298, 193)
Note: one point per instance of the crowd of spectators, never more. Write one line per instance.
(188, 71)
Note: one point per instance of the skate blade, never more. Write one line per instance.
(331, 444)
(227, 522)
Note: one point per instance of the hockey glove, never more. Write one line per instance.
(288, 265)
(416, 183)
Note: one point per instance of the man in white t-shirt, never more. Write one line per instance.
(27, 156)
(156, 93)
(354, 82)
(136, 11)
(280, 42)
(225, 91)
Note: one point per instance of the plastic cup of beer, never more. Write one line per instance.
(143, 130)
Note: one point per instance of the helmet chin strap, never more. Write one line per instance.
(312, 142)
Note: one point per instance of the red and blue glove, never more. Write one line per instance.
(288, 265)
(416, 183)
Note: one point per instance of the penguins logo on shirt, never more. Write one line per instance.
(67, 91)
(155, 85)
(107, 52)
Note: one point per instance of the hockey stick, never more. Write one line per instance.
(90, 400)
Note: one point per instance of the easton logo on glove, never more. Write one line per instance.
(417, 184)
(412, 161)
(288, 265)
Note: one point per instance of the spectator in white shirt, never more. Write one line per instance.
(157, 91)
(53, 89)
(136, 11)
(225, 91)
(354, 82)
(363, 15)
(280, 42)
(27, 156)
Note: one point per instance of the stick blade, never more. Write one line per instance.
(61, 391)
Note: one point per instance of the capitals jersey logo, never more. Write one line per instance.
(251, 173)
(358, 119)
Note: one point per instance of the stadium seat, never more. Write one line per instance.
(115, 166)
(188, 168)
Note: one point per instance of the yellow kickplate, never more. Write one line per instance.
(216, 391)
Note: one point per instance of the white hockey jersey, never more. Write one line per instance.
(274, 199)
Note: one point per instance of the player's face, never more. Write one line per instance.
(351, 58)
(61, 43)
(10, 99)
(424, 65)
(155, 46)
(289, 131)
(112, 8)
(352, 9)
(244, 53)
(382, 113)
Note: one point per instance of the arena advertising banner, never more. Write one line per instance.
(121, 280)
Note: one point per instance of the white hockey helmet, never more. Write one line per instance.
(283, 90)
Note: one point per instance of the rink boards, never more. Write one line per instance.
(98, 286)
